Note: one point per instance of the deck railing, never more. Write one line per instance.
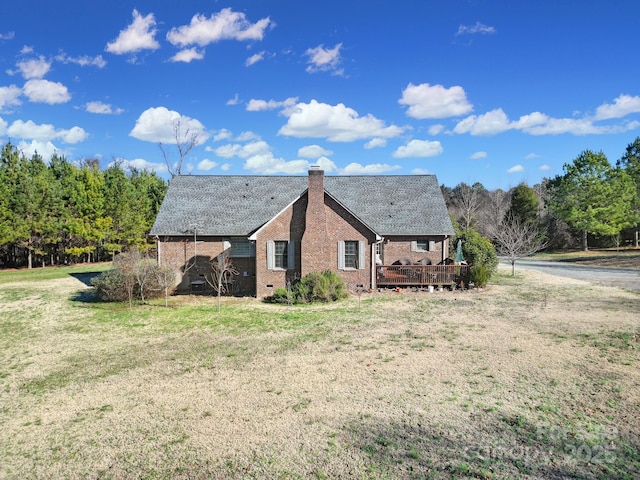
(388, 275)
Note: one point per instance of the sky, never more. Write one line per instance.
(490, 91)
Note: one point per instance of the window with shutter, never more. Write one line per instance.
(351, 254)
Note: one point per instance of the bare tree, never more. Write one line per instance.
(220, 276)
(126, 264)
(184, 143)
(516, 239)
(143, 270)
(166, 277)
(468, 201)
(494, 211)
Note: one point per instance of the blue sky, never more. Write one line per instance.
(470, 90)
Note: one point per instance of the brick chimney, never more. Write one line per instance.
(314, 253)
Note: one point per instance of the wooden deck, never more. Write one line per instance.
(422, 275)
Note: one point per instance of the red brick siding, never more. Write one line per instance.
(293, 224)
(399, 247)
(178, 252)
(288, 226)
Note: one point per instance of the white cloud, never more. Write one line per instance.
(475, 29)
(73, 135)
(243, 151)
(158, 125)
(207, 164)
(44, 149)
(34, 68)
(45, 132)
(225, 25)
(531, 156)
(225, 167)
(255, 58)
(436, 129)
(621, 107)
(140, 35)
(267, 164)
(313, 151)
(478, 155)
(537, 123)
(435, 101)
(9, 97)
(326, 164)
(418, 149)
(247, 136)
(515, 169)
(490, 123)
(557, 126)
(102, 108)
(260, 105)
(324, 59)
(45, 91)
(223, 134)
(544, 168)
(371, 169)
(420, 171)
(335, 123)
(84, 61)
(187, 55)
(3, 126)
(7, 36)
(375, 143)
(140, 164)
(234, 101)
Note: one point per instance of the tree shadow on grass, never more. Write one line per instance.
(85, 277)
(85, 296)
(495, 446)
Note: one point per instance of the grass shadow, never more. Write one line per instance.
(85, 277)
(85, 296)
(498, 446)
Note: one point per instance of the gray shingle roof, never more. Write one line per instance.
(238, 205)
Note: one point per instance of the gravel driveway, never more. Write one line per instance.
(628, 278)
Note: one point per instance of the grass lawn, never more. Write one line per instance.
(532, 377)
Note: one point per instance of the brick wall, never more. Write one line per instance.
(399, 247)
(193, 264)
(288, 226)
(315, 226)
(314, 239)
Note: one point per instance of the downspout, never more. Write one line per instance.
(158, 250)
(374, 266)
(444, 243)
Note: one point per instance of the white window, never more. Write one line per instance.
(240, 247)
(423, 245)
(351, 255)
(280, 255)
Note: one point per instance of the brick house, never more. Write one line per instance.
(279, 228)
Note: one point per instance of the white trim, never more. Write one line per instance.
(340, 255)
(254, 234)
(361, 254)
(271, 254)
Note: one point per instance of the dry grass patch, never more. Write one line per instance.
(530, 378)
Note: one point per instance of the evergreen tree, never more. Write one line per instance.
(594, 197)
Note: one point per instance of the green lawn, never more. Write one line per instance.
(528, 378)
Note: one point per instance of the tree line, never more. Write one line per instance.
(592, 202)
(59, 212)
